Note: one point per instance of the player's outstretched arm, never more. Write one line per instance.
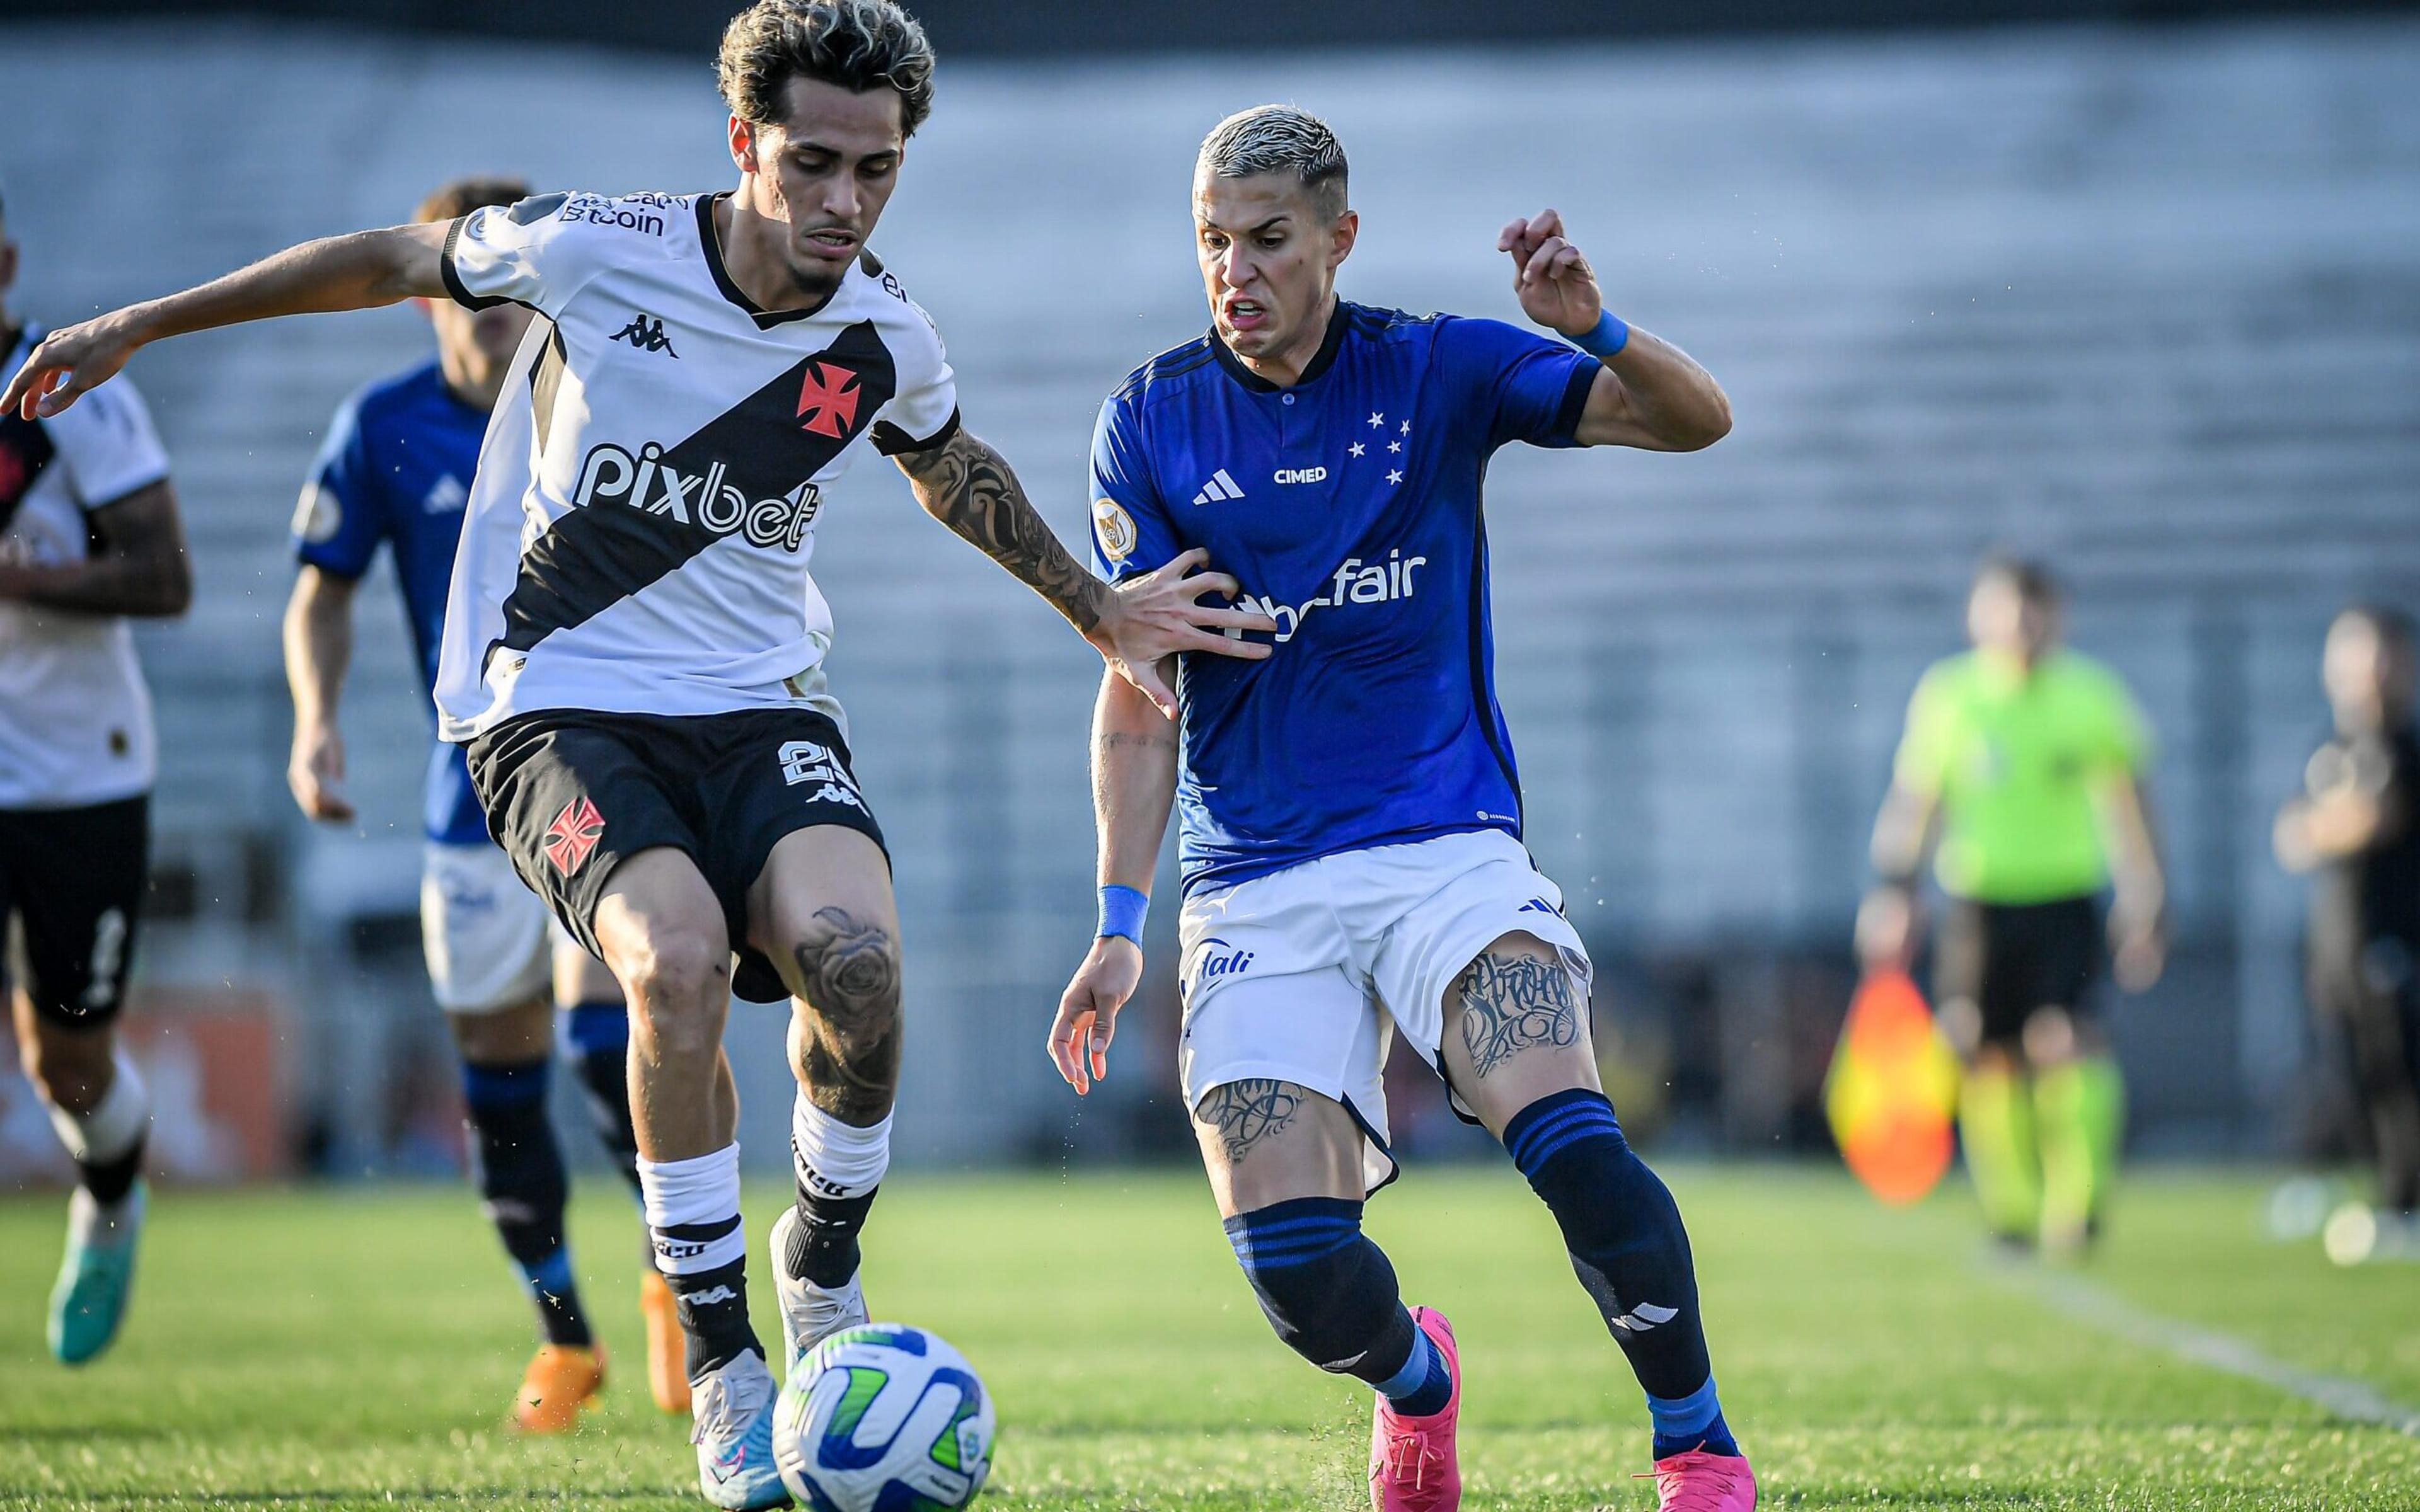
(970, 487)
(346, 272)
(1651, 394)
(137, 566)
(1134, 780)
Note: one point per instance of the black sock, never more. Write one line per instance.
(520, 1172)
(1329, 1292)
(109, 1180)
(823, 1246)
(1624, 1234)
(714, 1314)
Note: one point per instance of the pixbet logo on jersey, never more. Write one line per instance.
(1355, 583)
(647, 482)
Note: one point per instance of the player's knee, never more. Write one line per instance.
(846, 966)
(1328, 1292)
(678, 980)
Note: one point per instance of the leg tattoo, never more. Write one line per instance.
(1247, 1111)
(1512, 1002)
(851, 971)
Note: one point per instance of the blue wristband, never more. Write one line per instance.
(1123, 911)
(1607, 339)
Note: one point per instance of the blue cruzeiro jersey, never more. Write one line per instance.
(1348, 508)
(395, 471)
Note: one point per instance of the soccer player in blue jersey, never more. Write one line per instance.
(1351, 821)
(395, 472)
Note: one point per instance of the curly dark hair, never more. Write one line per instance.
(452, 201)
(857, 44)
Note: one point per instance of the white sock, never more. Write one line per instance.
(114, 1124)
(692, 1208)
(835, 1159)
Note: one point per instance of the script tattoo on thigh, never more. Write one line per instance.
(1247, 1111)
(851, 971)
(1512, 1002)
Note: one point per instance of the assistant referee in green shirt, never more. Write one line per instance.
(2022, 771)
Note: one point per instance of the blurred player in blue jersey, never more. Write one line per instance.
(395, 472)
(1351, 821)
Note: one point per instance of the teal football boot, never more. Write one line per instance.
(89, 1301)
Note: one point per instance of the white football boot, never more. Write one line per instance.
(810, 1314)
(734, 1435)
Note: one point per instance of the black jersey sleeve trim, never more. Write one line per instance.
(455, 288)
(891, 441)
(1575, 398)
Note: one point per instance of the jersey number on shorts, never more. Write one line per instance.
(803, 760)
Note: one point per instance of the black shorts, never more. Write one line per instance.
(2009, 959)
(570, 793)
(75, 879)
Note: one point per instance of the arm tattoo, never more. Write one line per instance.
(1512, 1002)
(968, 486)
(1247, 1111)
(848, 973)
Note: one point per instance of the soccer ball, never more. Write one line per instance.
(884, 1418)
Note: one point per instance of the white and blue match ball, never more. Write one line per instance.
(883, 1418)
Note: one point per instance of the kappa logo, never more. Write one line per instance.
(573, 836)
(646, 333)
(1219, 490)
(828, 399)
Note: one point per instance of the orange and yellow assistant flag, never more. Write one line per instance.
(1892, 1092)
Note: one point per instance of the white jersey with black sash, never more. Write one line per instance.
(76, 720)
(643, 513)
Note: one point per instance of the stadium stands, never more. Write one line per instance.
(2142, 304)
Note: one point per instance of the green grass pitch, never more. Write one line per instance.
(354, 1348)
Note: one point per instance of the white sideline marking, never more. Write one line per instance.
(2353, 1400)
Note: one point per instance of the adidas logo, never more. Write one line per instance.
(1218, 490)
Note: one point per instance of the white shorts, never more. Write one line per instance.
(1304, 975)
(488, 939)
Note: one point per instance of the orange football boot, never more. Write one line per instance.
(561, 1380)
(667, 1346)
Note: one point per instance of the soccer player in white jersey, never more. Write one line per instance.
(395, 474)
(1351, 852)
(633, 646)
(88, 538)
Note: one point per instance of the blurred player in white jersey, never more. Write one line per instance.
(633, 651)
(395, 474)
(88, 537)
(1351, 851)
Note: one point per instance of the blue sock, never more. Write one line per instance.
(518, 1169)
(1691, 1422)
(1425, 1385)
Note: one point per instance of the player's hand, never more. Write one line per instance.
(71, 362)
(1554, 283)
(1160, 614)
(2138, 949)
(315, 772)
(1888, 928)
(1088, 1011)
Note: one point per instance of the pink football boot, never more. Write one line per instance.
(1412, 1464)
(1701, 1482)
